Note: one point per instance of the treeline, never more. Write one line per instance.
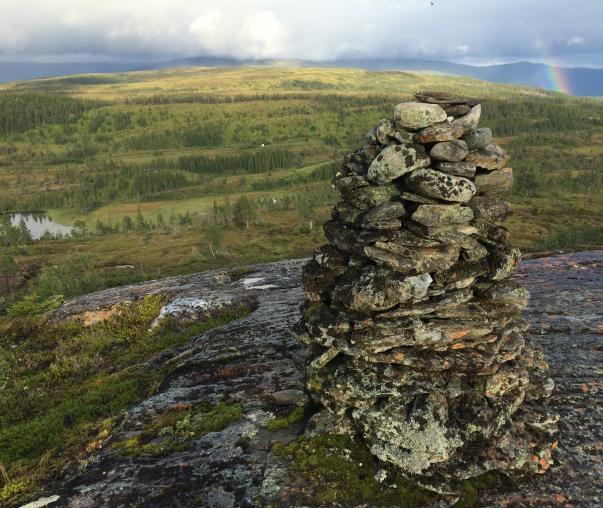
(97, 186)
(536, 115)
(20, 112)
(223, 164)
(256, 161)
(339, 99)
(324, 172)
(100, 182)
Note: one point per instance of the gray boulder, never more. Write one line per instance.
(414, 116)
(478, 138)
(395, 161)
(435, 184)
(452, 151)
(469, 121)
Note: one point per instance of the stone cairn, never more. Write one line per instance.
(413, 326)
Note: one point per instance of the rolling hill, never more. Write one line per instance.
(574, 80)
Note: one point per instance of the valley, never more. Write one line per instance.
(178, 170)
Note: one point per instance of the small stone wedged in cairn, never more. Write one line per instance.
(413, 328)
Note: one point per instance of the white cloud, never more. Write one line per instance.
(576, 40)
(258, 35)
(312, 29)
(262, 35)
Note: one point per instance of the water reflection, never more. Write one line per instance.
(38, 224)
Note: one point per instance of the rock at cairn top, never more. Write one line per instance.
(413, 329)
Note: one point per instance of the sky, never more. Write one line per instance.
(566, 32)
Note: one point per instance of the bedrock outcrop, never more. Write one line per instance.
(257, 363)
(415, 334)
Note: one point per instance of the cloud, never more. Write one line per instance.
(576, 40)
(259, 35)
(313, 29)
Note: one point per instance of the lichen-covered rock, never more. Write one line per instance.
(494, 182)
(464, 168)
(384, 212)
(489, 208)
(438, 185)
(439, 97)
(470, 121)
(490, 157)
(439, 215)
(413, 328)
(452, 151)
(375, 289)
(478, 138)
(385, 133)
(417, 115)
(439, 132)
(395, 161)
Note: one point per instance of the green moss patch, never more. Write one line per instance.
(295, 417)
(342, 471)
(175, 429)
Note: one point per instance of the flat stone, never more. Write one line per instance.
(451, 234)
(470, 121)
(439, 215)
(495, 182)
(382, 224)
(438, 97)
(290, 398)
(489, 208)
(327, 256)
(417, 198)
(395, 161)
(365, 197)
(452, 151)
(435, 184)
(378, 289)
(341, 236)
(489, 157)
(381, 132)
(466, 169)
(385, 133)
(385, 211)
(349, 183)
(410, 260)
(439, 132)
(344, 212)
(416, 115)
(457, 110)
(478, 138)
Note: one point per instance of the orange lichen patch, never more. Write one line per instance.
(180, 406)
(91, 317)
(544, 464)
(460, 334)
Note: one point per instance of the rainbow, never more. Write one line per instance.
(557, 78)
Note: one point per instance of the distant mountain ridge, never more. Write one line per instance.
(578, 81)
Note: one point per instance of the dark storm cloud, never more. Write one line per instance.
(310, 29)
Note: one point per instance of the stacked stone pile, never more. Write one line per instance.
(413, 327)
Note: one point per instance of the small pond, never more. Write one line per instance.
(38, 224)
